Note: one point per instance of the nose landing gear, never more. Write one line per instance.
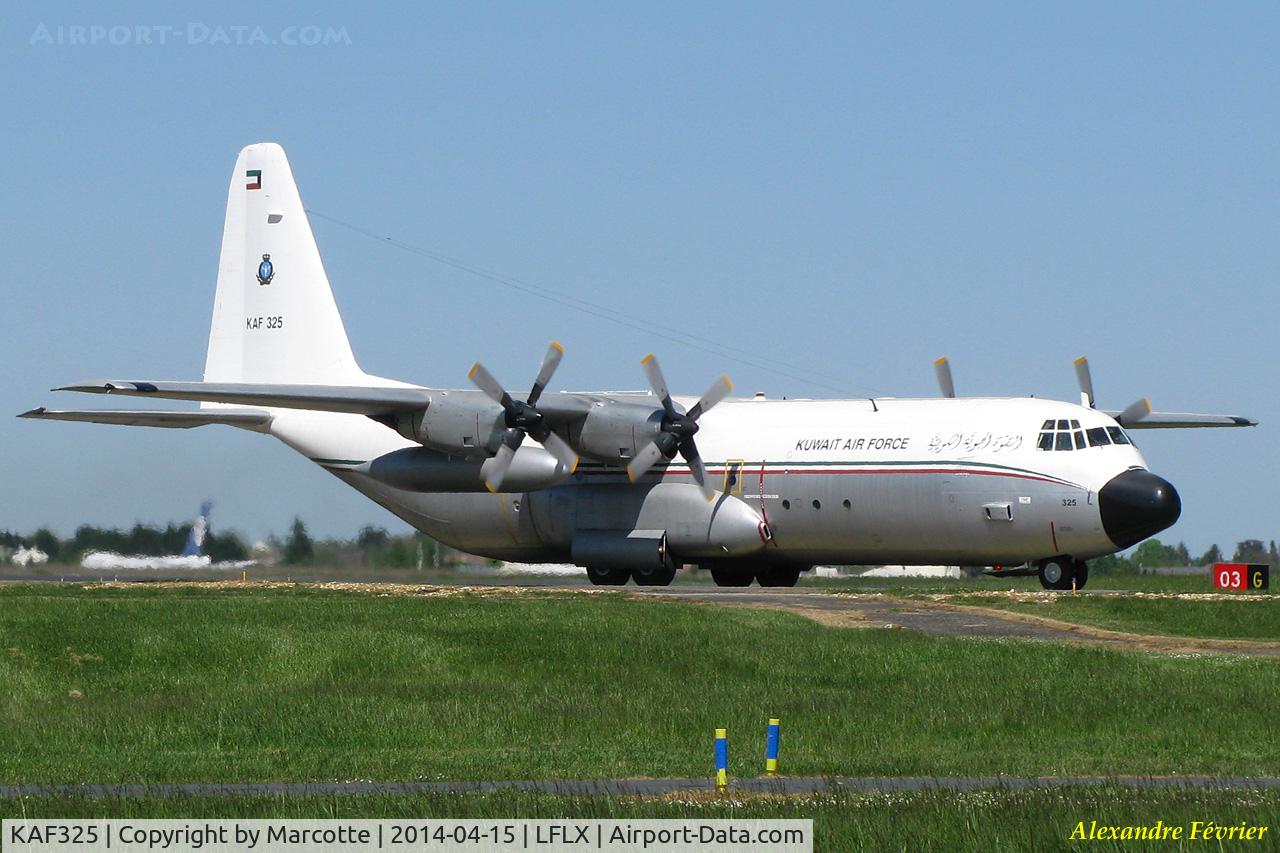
(1062, 572)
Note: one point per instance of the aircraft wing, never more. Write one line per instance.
(246, 418)
(1183, 420)
(353, 399)
(373, 401)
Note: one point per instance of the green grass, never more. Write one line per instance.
(205, 684)
(997, 820)
(1256, 619)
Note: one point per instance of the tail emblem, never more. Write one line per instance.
(254, 178)
(266, 271)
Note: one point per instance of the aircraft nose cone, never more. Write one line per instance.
(1137, 504)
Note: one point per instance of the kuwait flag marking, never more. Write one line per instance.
(255, 179)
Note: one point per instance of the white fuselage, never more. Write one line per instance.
(904, 481)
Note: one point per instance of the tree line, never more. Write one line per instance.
(373, 546)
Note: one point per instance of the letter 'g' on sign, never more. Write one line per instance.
(1238, 577)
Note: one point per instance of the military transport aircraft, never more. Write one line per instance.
(633, 485)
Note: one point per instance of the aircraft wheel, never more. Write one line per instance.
(607, 577)
(1081, 573)
(778, 576)
(732, 576)
(1056, 573)
(662, 576)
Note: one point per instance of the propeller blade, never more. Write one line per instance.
(1085, 379)
(942, 368)
(495, 469)
(484, 380)
(658, 383)
(648, 456)
(717, 392)
(689, 451)
(550, 362)
(1134, 412)
(560, 449)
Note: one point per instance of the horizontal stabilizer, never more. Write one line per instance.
(357, 400)
(244, 418)
(1184, 420)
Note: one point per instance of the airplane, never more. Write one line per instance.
(193, 554)
(634, 485)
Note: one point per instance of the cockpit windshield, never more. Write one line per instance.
(1066, 434)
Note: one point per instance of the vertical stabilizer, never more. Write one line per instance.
(199, 528)
(274, 318)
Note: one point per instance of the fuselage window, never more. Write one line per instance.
(1046, 441)
(1063, 425)
(1075, 425)
(1064, 441)
(1080, 445)
(1047, 425)
(1098, 437)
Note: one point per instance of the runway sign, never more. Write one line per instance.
(1239, 577)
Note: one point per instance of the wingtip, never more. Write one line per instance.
(33, 413)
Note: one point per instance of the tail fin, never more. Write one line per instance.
(199, 527)
(274, 318)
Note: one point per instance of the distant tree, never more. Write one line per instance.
(1250, 551)
(371, 536)
(298, 548)
(46, 540)
(1153, 553)
(1213, 555)
(222, 547)
(1112, 564)
(1184, 558)
(1273, 557)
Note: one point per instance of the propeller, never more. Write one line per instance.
(942, 368)
(677, 430)
(1132, 413)
(522, 418)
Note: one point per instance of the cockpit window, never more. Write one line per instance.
(1067, 434)
(1118, 435)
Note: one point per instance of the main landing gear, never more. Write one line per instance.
(658, 576)
(1063, 573)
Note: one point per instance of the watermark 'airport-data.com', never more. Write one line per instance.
(191, 34)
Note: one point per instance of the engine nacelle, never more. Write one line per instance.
(615, 431)
(419, 469)
(460, 423)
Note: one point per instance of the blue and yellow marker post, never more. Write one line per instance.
(722, 760)
(771, 748)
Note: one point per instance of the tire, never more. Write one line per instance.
(661, 576)
(778, 576)
(1081, 573)
(607, 577)
(732, 576)
(1056, 573)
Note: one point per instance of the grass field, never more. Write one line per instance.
(1223, 617)
(999, 821)
(146, 684)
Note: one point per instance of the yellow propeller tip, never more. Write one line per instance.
(491, 489)
(556, 345)
(648, 358)
(728, 383)
(1081, 359)
(942, 360)
(472, 372)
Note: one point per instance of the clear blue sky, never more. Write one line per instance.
(849, 191)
